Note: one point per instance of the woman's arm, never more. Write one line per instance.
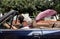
(6, 25)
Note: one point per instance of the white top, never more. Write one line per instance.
(26, 27)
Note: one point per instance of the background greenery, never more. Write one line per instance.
(33, 7)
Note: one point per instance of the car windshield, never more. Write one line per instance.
(7, 19)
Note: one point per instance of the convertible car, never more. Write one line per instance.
(34, 33)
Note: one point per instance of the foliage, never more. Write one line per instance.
(29, 6)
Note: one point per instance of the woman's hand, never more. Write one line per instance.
(6, 25)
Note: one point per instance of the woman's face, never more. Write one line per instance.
(25, 23)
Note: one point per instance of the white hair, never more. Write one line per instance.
(27, 18)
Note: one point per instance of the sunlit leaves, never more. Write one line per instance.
(30, 6)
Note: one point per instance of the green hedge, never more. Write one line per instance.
(29, 6)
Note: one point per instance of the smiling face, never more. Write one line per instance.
(25, 23)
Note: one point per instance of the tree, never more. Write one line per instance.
(29, 6)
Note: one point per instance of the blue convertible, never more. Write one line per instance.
(24, 33)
